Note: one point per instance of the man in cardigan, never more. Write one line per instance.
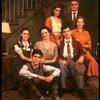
(68, 65)
(34, 77)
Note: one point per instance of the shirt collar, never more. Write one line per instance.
(65, 40)
(75, 12)
(24, 44)
(78, 31)
(35, 66)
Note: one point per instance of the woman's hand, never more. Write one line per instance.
(43, 60)
(86, 46)
(58, 42)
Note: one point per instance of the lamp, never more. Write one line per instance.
(5, 27)
(5, 33)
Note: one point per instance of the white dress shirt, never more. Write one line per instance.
(26, 73)
(65, 53)
(76, 12)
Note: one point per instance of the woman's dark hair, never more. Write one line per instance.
(22, 31)
(44, 27)
(57, 5)
(37, 51)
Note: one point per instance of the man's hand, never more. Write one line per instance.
(41, 77)
(80, 60)
(49, 78)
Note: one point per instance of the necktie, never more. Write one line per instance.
(74, 16)
(68, 51)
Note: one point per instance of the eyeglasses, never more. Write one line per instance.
(74, 4)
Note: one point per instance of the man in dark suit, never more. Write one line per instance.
(67, 61)
(71, 16)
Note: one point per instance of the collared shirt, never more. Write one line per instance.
(65, 53)
(19, 49)
(26, 73)
(76, 12)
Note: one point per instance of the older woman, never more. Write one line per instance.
(83, 36)
(49, 48)
(54, 22)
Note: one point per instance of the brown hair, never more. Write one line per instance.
(74, 0)
(80, 17)
(44, 27)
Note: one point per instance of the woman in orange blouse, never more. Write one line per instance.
(54, 22)
(84, 38)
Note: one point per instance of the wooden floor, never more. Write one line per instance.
(92, 92)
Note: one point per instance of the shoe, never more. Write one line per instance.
(82, 94)
(61, 92)
(55, 97)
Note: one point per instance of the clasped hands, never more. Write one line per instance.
(47, 78)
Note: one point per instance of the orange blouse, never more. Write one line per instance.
(48, 23)
(83, 37)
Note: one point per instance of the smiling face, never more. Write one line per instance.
(80, 23)
(45, 34)
(57, 11)
(25, 35)
(74, 5)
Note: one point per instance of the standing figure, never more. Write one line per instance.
(54, 22)
(71, 51)
(83, 36)
(71, 16)
(23, 53)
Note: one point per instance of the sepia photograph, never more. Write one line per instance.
(50, 49)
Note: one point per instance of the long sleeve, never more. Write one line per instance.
(26, 73)
(48, 23)
(89, 40)
(56, 71)
(83, 37)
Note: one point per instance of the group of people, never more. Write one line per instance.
(49, 61)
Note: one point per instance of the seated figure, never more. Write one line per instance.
(34, 81)
(71, 52)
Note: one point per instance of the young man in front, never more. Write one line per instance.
(34, 78)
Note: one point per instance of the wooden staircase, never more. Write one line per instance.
(19, 14)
